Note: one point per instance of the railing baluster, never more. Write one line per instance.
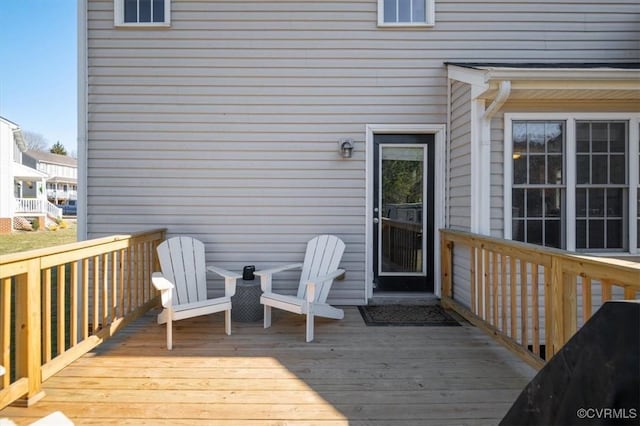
(535, 313)
(587, 302)
(73, 317)
(85, 298)
(96, 295)
(104, 271)
(114, 285)
(5, 330)
(472, 278)
(494, 271)
(606, 291)
(46, 316)
(524, 303)
(486, 284)
(503, 292)
(61, 284)
(514, 305)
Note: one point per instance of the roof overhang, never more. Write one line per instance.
(551, 82)
(22, 172)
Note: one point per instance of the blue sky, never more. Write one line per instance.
(38, 47)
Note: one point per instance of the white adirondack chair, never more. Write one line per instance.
(183, 284)
(319, 269)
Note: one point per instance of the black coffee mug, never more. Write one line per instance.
(247, 273)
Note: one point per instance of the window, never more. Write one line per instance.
(406, 12)
(141, 12)
(573, 183)
(538, 186)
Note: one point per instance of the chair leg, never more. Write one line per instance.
(227, 322)
(267, 316)
(309, 326)
(169, 332)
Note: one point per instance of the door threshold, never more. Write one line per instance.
(403, 298)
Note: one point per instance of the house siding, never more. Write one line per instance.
(224, 126)
(459, 173)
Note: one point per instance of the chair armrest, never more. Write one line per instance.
(165, 287)
(223, 272)
(277, 269)
(229, 279)
(311, 283)
(160, 282)
(266, 274)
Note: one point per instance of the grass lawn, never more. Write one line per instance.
(19, 241)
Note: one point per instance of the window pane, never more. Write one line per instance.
(582, 169)
(520, 170)
(519, 138)
(615, 202)
(599, 137)
(536, 137)
(553, 202)
(554, 169)
(554, 137)
(534, 202)
(158, 10)
(582, 137)
(581, 234)
(130, 11)
(390, 11)
(596, 202)
(534, 232)
(614, 234)
(517, 198)
(617, 169)
(553, 233)
(596, 234)
(581, 202)
(517, 231)
(419, 14)
(404, 10)
(599, 169)
(145, 10)
(536, 169)
(617, 137)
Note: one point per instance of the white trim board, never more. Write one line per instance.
(439, 132)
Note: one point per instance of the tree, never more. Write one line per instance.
(35, 141)
(58, 148)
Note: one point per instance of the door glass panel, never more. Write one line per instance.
(401, 215)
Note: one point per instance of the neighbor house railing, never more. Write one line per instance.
(531, 298)
(58, 303)
(37, 206)
(402, 244)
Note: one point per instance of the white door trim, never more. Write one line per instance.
(438, 131)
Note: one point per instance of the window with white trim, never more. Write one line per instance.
(142, 12)
(570, 181)
(406, 12)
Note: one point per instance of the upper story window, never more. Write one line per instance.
(145, 13)
(406, 13)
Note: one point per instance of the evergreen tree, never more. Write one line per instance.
(58, 148)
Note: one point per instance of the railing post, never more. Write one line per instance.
(28, 332)
(564, 305)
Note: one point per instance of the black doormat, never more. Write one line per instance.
(406, 315)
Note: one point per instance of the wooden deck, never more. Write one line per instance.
(351, 374)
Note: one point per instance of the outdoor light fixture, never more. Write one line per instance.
(345, 146)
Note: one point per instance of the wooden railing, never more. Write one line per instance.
(531, 298)
(58, 303)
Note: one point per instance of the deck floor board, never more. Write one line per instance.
(352, 374)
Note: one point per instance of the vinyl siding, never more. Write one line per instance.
(460, 158)
(224, 126)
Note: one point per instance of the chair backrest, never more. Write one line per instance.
(322, 257)
(182, 262)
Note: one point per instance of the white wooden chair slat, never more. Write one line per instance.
(322, 258)
(183, 284)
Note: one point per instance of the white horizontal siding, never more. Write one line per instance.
(460, 158)
(224, 126)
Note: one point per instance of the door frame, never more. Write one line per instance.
(438, 132)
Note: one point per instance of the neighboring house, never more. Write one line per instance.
(62, 184)
(22, 188)
(227, 120)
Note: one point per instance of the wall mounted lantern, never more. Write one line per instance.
(345, 146)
